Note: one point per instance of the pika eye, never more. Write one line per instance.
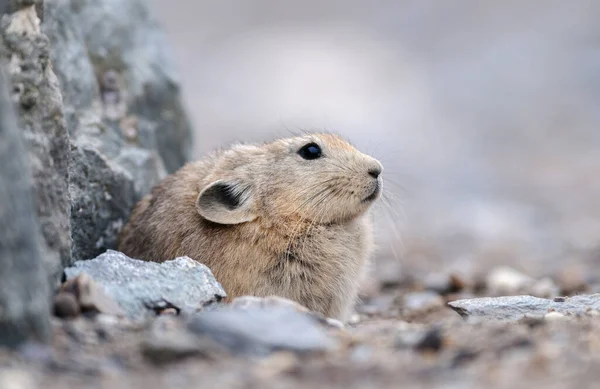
(310, 151)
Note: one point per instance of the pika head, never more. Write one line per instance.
(287, 218)
(318, 178)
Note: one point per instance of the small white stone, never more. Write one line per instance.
(422, 301)
(334, 323)
(505, 281)
(107, 319)
(16, 379)
(554, 316)
(354, 319)
(544, 288)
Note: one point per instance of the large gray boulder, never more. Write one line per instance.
(37, 95)
(100, 114)
(123, 111)
(24, 294)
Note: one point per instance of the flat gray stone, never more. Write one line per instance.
(260, 331)
(135, 284)
(511, 308)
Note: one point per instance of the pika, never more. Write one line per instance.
(288, 218)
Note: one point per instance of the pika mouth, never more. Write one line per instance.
(373, 195)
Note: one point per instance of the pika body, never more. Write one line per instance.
(288, 218)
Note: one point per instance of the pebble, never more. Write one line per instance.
(416, 302)
(16, 379)
(554, 316)
(169, 340)
(443, 283)
(276, 364)
(65, 305)
(176, 345)
(432, 341)
(571, 281)
(377, 305)
(544, 288)
(90, 296)
(109, 320)
(506, 281)
(334, 323)
(408, 338)
(354, 319)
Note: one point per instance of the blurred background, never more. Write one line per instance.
(484, 114)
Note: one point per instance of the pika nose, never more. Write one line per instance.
(375, 171)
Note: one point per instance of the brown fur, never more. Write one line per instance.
(301, 231)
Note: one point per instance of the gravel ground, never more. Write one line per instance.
(432, 347)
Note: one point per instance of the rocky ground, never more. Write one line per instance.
(425, 332)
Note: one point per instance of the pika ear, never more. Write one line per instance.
(226, 202)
